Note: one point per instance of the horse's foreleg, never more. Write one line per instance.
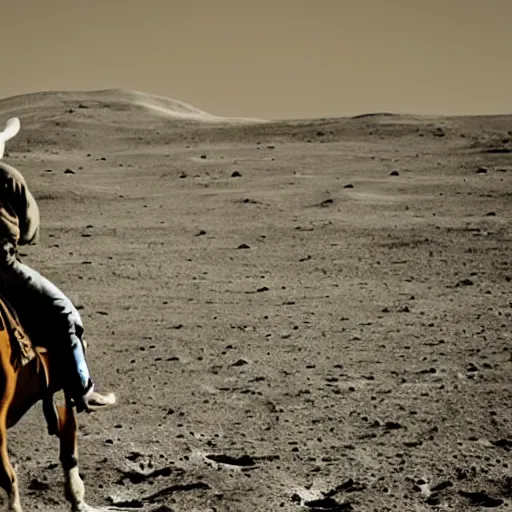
(50, 415)
(69, 457)
(8, 478)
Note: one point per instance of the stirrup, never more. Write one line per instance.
(81, 401)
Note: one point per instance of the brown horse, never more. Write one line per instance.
(29, 374)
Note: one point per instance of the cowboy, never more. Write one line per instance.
(19, 225)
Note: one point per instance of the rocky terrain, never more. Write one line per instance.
(294, 315)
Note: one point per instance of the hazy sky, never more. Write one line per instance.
(268, 58)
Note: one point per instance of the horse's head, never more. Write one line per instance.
(12, 127)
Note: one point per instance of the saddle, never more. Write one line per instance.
(23, 351)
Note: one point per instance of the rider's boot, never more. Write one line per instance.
(78, 382)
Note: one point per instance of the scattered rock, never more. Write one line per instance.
(434, 499)
(490, 214)
(235, 174)
(428, 370)
(240, 362)
(503, 443)
(445, 484)
(482, 170)
(464, 282)
(243, 461)
(295, 498)
(328, 504)
(392, 425)
(348, 486)
(462, 473)
(133, 456)
(243, 246)
(482, 499)
(349, 185)
(69, 171)
(412, 444)
(394, 173)
(37, 485)
(136, 477)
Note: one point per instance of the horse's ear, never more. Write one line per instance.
(12, 127)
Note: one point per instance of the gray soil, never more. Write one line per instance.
(297, 315)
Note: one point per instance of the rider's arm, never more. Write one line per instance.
(28, 213)
(19, 213)
(28, 216)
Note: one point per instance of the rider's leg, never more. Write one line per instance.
(68, 327)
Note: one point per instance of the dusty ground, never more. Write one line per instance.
(318, 327)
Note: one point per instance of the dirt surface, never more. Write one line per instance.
(297, 315)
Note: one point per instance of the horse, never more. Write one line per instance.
(30, 373)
